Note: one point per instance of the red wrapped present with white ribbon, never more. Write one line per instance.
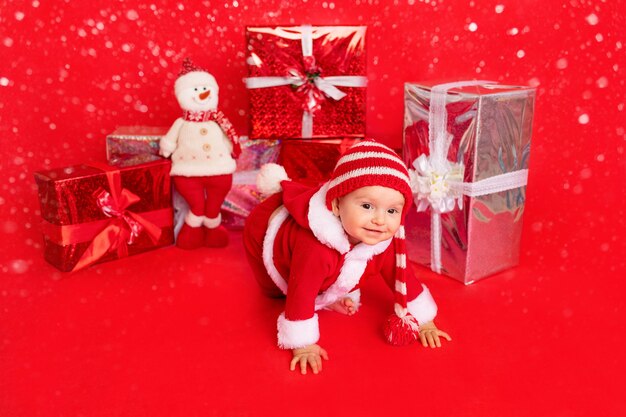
(306, 81)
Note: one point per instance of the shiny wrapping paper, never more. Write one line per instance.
(312, 160)
(490, 128)
(73, 214)
(277, 112)
(134, 140)
(243, 196)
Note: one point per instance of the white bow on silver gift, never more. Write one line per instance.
(434, 186)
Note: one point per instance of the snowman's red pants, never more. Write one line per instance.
(204, 195)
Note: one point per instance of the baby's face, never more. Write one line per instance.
(370, 214)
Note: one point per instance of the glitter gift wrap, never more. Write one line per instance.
(134, 140)
(306, 81)
(312, 160)
(469, 143)
(243, 196)
(98, 212)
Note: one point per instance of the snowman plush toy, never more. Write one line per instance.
(203, 146)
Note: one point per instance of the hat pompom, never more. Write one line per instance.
(401, 331)
(269, 178)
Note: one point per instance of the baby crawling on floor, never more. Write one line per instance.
(314, 245)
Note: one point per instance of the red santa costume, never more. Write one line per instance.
(203, 146)
(298, 248)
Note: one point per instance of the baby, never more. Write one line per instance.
(314, 245)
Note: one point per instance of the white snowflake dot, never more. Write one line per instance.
(512, 31)
(583, 119)
(592, 19)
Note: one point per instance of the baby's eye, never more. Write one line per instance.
(392, 211)
(366, 206)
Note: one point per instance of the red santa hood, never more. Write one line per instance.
(307, 206)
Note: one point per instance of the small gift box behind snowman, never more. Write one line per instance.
(469, 144)
(134, 140)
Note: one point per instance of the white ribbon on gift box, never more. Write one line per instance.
(328, 85)
(438, 183)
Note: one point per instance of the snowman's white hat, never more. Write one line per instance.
(191, 76)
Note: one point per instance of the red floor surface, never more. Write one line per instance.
(145, 337)
(182, 334)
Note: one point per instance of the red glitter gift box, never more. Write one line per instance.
(312, 160)
(306, 81)
(98, 212)
(244, 196)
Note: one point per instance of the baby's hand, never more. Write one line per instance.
(429, 335)
(312, 355)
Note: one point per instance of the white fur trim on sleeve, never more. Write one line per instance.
(326, 227)
(297, 333)
(423, 307)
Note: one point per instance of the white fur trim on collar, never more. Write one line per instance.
(351, 272)
(268, 248)
(355, 260)
(326, 227)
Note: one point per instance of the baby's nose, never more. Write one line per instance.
(379, 217)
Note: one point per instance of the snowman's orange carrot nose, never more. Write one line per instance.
(205, 94)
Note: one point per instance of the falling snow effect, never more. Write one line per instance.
(72, 72)
(132, 63)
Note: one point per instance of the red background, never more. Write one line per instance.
(178, 333)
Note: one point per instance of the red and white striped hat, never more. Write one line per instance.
(369, 163)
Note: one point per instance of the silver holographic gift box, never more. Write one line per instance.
(471, 142)
(134, 140)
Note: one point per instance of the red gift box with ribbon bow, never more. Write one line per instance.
(98, 212)
(313, 160)
(306, 81)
